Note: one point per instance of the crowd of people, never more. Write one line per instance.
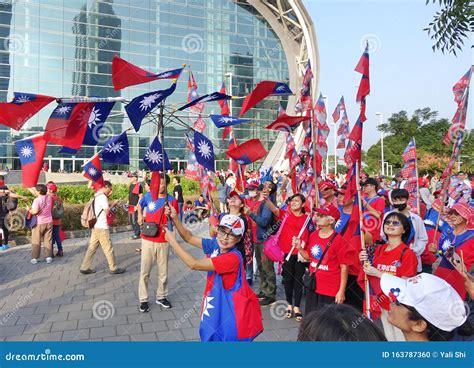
(384, 264)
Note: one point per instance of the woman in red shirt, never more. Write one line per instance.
(332, 272)
(295, 226)
(394, 257)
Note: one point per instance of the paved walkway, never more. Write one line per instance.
(56, 303)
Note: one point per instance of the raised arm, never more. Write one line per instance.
(187, 235)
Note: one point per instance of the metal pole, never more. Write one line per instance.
(325, 98)
(380, 115)
(335, 150)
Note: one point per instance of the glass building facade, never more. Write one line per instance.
(65, 48)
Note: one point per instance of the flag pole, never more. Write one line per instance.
(315, 161)
(161, 137)
(417, 181)
(362, 240)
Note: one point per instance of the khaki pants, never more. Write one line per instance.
(151, 253)
(99, 237)
(42, 233)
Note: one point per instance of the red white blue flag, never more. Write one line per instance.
(93, 170)
(16, 113)
(31, 153)
(263, 90)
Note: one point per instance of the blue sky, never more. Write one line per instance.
(405, 73)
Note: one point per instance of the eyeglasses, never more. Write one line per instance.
(393, 222)
(224, 234)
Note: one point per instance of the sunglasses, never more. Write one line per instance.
(393, 222)
(453, 213)
(225, 234)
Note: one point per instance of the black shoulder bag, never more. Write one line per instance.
(309, 278)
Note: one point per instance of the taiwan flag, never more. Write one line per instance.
(248, 152)
(263, 90)
(99, 113)
(228, 314)
(225, 110)
(24, 105)
(31, 153)
(93, 170)
(116, 150)
(154, 157)
(141, 105)
(286, 123)
(214, 96)
(68, 123)
(125, 74)
(222, 121)
(204, 151)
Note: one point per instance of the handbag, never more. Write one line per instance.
(309, 278)
(271, 249)
(31, 221)
(150, 229)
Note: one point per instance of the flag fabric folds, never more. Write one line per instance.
(363, 68)
(116, 150)
(93, 170)
(31, 153)
(204, 151)
(125, 74)
(16, 113)
(97, 118)
(409, 172)
(248, 152)
(225, 109)
(286, 123)
(68, 123)
(341, 106)
(263, 90)
(154, 157)
(141, 105)
(215, 96)
(304, 102)
(222, 121)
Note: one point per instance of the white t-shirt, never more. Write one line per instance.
(101, 203)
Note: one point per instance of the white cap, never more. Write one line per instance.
(432, 297)
(235, 223)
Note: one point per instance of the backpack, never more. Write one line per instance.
(58, 209)
(88, 217)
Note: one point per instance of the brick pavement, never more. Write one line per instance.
(56, 303)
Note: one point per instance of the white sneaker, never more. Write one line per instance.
(49, 260)
(34, 261)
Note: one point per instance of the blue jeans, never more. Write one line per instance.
(56, 237)
(180, 216)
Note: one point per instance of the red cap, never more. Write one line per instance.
(253, 185)
(235, 194)
(329, 210)
(52, 187)
(327, 184)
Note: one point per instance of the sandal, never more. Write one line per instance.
(298, 316)
(289, 313)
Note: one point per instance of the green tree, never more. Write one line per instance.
(451, 25)
(428, 132)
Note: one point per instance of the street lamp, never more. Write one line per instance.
(380, 115)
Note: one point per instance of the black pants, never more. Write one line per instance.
(354, 294)
(6, 233)
(315, 300)
(133, 219)
(427, 268)
(293, 280)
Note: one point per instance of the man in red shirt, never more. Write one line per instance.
(155, 248)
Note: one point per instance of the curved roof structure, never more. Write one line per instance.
(293, 26)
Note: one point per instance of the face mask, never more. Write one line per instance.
(400, 206)
(252, 194)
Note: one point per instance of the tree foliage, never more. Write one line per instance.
(451, 25)
(428, 132)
